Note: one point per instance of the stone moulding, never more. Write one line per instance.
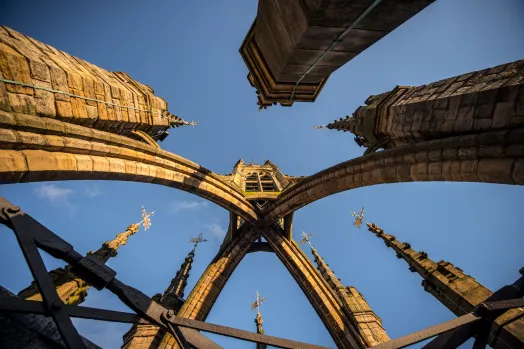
(270, 90)
(36, 149)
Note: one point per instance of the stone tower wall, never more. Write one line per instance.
(33, 63)
(490, 99)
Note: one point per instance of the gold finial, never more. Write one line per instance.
(306, 238)
(197, 240)
(359, 218)
(257, 303)
(145, 218)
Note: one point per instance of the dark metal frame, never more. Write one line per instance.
(32, 235)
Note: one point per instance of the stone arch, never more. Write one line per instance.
(491, 157)
(323, 300)
(36, 149)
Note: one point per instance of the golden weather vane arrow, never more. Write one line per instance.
(306, 238)
(197, 240)
(257, 303)
(146, 220)
(359, 218)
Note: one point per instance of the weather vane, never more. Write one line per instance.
(359, 218)
(197, 240)
(145, 218)
(257, 303)
(192, 123)
(306, 238)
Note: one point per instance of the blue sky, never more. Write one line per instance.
(187, 51)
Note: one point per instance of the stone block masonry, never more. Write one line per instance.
(292, 41)
(85, 94)
(485, 100)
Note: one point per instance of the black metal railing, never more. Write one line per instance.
(32, 236)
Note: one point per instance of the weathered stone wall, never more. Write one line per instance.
(491, 157)
(36, 149)
(31, 62)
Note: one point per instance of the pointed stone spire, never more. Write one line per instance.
(354, 305)
(458, 291)
(173, 297)
(438, 276)
(72, 289)
(150, 336)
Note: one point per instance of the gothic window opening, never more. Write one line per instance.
(267, 182)
(252, 182)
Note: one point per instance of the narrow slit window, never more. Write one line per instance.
(252, 182)
(267, 183)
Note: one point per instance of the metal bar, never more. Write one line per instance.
(52, 301)
(454, 338)
(152, 311)
(419, 336)
(17, 305)
(498, 302)
(25, 227)
(243, 335)
(179, 337)
(503, 304)
(334, 43)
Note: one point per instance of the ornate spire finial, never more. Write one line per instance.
(175, 121)
(306, 238)
(359, 218)
(257, 303)
(318, 127)
(197, 240)
(145, 218)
